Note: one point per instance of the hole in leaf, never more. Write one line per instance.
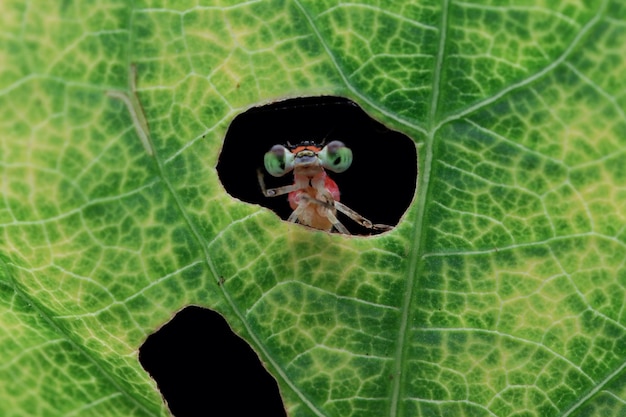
(202, 368)
(379, 185)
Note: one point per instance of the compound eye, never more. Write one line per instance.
(278, 161)
(336, 156)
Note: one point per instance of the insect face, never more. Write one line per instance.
(313, 196)
(335, 157)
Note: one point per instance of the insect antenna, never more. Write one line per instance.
(326, 137)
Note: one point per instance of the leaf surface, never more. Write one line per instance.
(501, 292)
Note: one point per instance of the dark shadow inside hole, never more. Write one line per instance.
(379, 185)
(202, 368)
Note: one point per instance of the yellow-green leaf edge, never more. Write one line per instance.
(501, 291)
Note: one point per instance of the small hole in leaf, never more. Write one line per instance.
(202, 368)
(379, 185)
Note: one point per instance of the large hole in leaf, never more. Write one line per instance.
(379, 185)
(203, 369)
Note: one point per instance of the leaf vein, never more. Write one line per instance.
(529, 80)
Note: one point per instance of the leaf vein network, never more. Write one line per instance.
(320, 291)
(534, 77)
(510, 337)
(345, 77)
(67, 336)
(541, 243)
(396, 16)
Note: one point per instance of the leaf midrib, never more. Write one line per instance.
(416, 239)
(432, 128)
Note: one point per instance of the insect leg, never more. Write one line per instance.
(295, 215)
(329, 212)
(360, 219)
(337, 224)
(273, 192)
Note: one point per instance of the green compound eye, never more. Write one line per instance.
(336, 156)
(278, 161)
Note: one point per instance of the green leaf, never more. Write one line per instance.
(500, 293)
